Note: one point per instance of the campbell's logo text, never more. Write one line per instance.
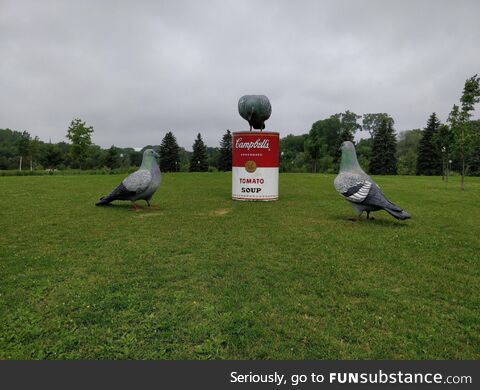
(258, 144)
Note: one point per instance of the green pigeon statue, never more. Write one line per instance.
(359, 189)
(141, 184)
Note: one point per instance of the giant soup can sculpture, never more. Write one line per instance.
(255, 157)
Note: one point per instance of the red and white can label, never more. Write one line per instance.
(255, 158)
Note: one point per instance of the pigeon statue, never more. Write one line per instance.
(360, 189)
(141, 184)
(256, 109)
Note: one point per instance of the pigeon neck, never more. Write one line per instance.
(148, 162)
(349, 161)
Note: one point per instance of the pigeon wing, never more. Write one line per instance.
(138, 181)
(358, 192)
(376, 198)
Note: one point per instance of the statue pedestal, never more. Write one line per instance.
(255, 162)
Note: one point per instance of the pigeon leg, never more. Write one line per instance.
(148, 202)
(368, 216)
(134, 207)
(357, 218)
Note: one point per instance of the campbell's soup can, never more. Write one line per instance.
(255, 157)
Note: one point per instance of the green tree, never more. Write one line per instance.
(96, 157)
(112, 158)
(292, 156)
(371, 122)
(407, 148)
(326, 136)
(199, 159)
(384, 159)
(23, 147)
(364, 152)
(33, 150)
(184, 159)
(225, 156)
(443, 140)
(348, 127)
(134, 157)
(52, 157)
(464, 136)
(474, 162)
(169, 154)
(213, 155)
(326, 132)
(474, 159)
(312, 148)
(80, 136)
(429, 156)
(322, 141)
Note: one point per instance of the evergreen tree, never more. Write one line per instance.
(199, 160)
(169, 154)
(429, 160)
(384, 159)
(225, 157)
(81, 138)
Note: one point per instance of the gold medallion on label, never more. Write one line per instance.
(250, 166)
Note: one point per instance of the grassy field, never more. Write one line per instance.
(198, 276)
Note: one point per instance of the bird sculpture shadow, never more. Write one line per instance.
(377, 222)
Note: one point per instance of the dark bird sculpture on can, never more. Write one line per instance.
(256, 109)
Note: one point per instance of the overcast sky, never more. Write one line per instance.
(136, 69)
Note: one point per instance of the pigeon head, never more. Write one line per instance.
(150, 152)
(349, 160)
(149, 158)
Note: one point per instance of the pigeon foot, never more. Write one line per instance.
(355, 219)
(135, 207)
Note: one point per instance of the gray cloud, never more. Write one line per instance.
(135, 70)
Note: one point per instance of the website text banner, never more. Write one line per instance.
(239, 374)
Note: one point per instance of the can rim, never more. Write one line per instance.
(256, 132)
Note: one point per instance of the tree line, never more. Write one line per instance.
(438, 149)
(18, 150)
(435, 150)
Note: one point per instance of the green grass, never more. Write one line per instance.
(199, 276)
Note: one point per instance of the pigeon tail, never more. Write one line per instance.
(401, 215)
(104, 200)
